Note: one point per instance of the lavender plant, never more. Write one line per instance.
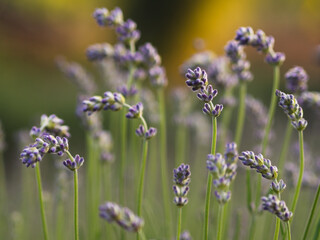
(181, 178)
(223, 170)
(45, 143)
(197, 80)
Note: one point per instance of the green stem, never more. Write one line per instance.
(76, 200)
(43, 216)
(163, 161)
(76, 206)
(238, 227)
(317, 231)
(123, 156)
(252, 227)
(249, 193)
(179, 223)
(277, 229)
(241, 113)
(288, 230)
(142, 174)
(285, 147)
(141, 234)
(220, 221)
(225, 120)
(209, 182)
(298, 187)
(314, 205)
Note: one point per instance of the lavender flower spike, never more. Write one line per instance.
(196, 78)
(141, 132)
(98, 52)
(74, 164)
(106, 18)
(124, 217)
(297, 79)
(135, 111)
(277, 207)
(181, 178)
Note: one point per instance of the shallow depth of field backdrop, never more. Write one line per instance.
(34, 32)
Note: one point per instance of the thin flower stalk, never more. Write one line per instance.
(43, 215)
(163, 159)
(285, 147)
(179, 223)
(314, 205)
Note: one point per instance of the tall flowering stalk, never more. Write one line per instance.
(181, 179)
(223, 169)
(263, 44)
(3, 187)
(296, 83)
(45, 143)
(271, 203)
(293, 110)
(197, 80)
(115, 102)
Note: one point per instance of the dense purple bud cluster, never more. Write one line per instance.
(277, 207)
(106, 18)
(99, 51)
(260, 164)
(223, 168)
(197, 80)
(141, 132)
(181, 179)
(74, 164)
(135, 111)
(46, 144)
(297, 79)
(150, 55)
(112, 101)
(127, 32)
(239, 65)
(260, 41)
(293, 110)
(123, 216)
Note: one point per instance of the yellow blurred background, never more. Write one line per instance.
(34, 32)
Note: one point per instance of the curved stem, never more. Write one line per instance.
(314, 205)
(317, 231)
(241, 113)
(277, 229)
(163, 162)
(179, 223)
(142, 174)
(298, 187)
(210, 178)
(285, 147)
(288, 230)
(220, 221)
(43, 216)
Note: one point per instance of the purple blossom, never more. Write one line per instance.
(135, 111)
(297, 79)
(74, 164)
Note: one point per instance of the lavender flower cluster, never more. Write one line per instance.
(197, 80)
(293, 110)
(123, 216)
(276, 207)
(145, 62)
(240, 66)
(181, 178)
(297, 80)
(260, 41)
(223, 169)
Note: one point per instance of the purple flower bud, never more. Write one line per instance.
(128, 32)
(158, 76)
(151, 133)
(135, 111)
(74, 164)
(244, 35)
(98, 52)
(297, 79)
(275, 59)
(277, 207)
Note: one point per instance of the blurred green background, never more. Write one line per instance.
(34, 32)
